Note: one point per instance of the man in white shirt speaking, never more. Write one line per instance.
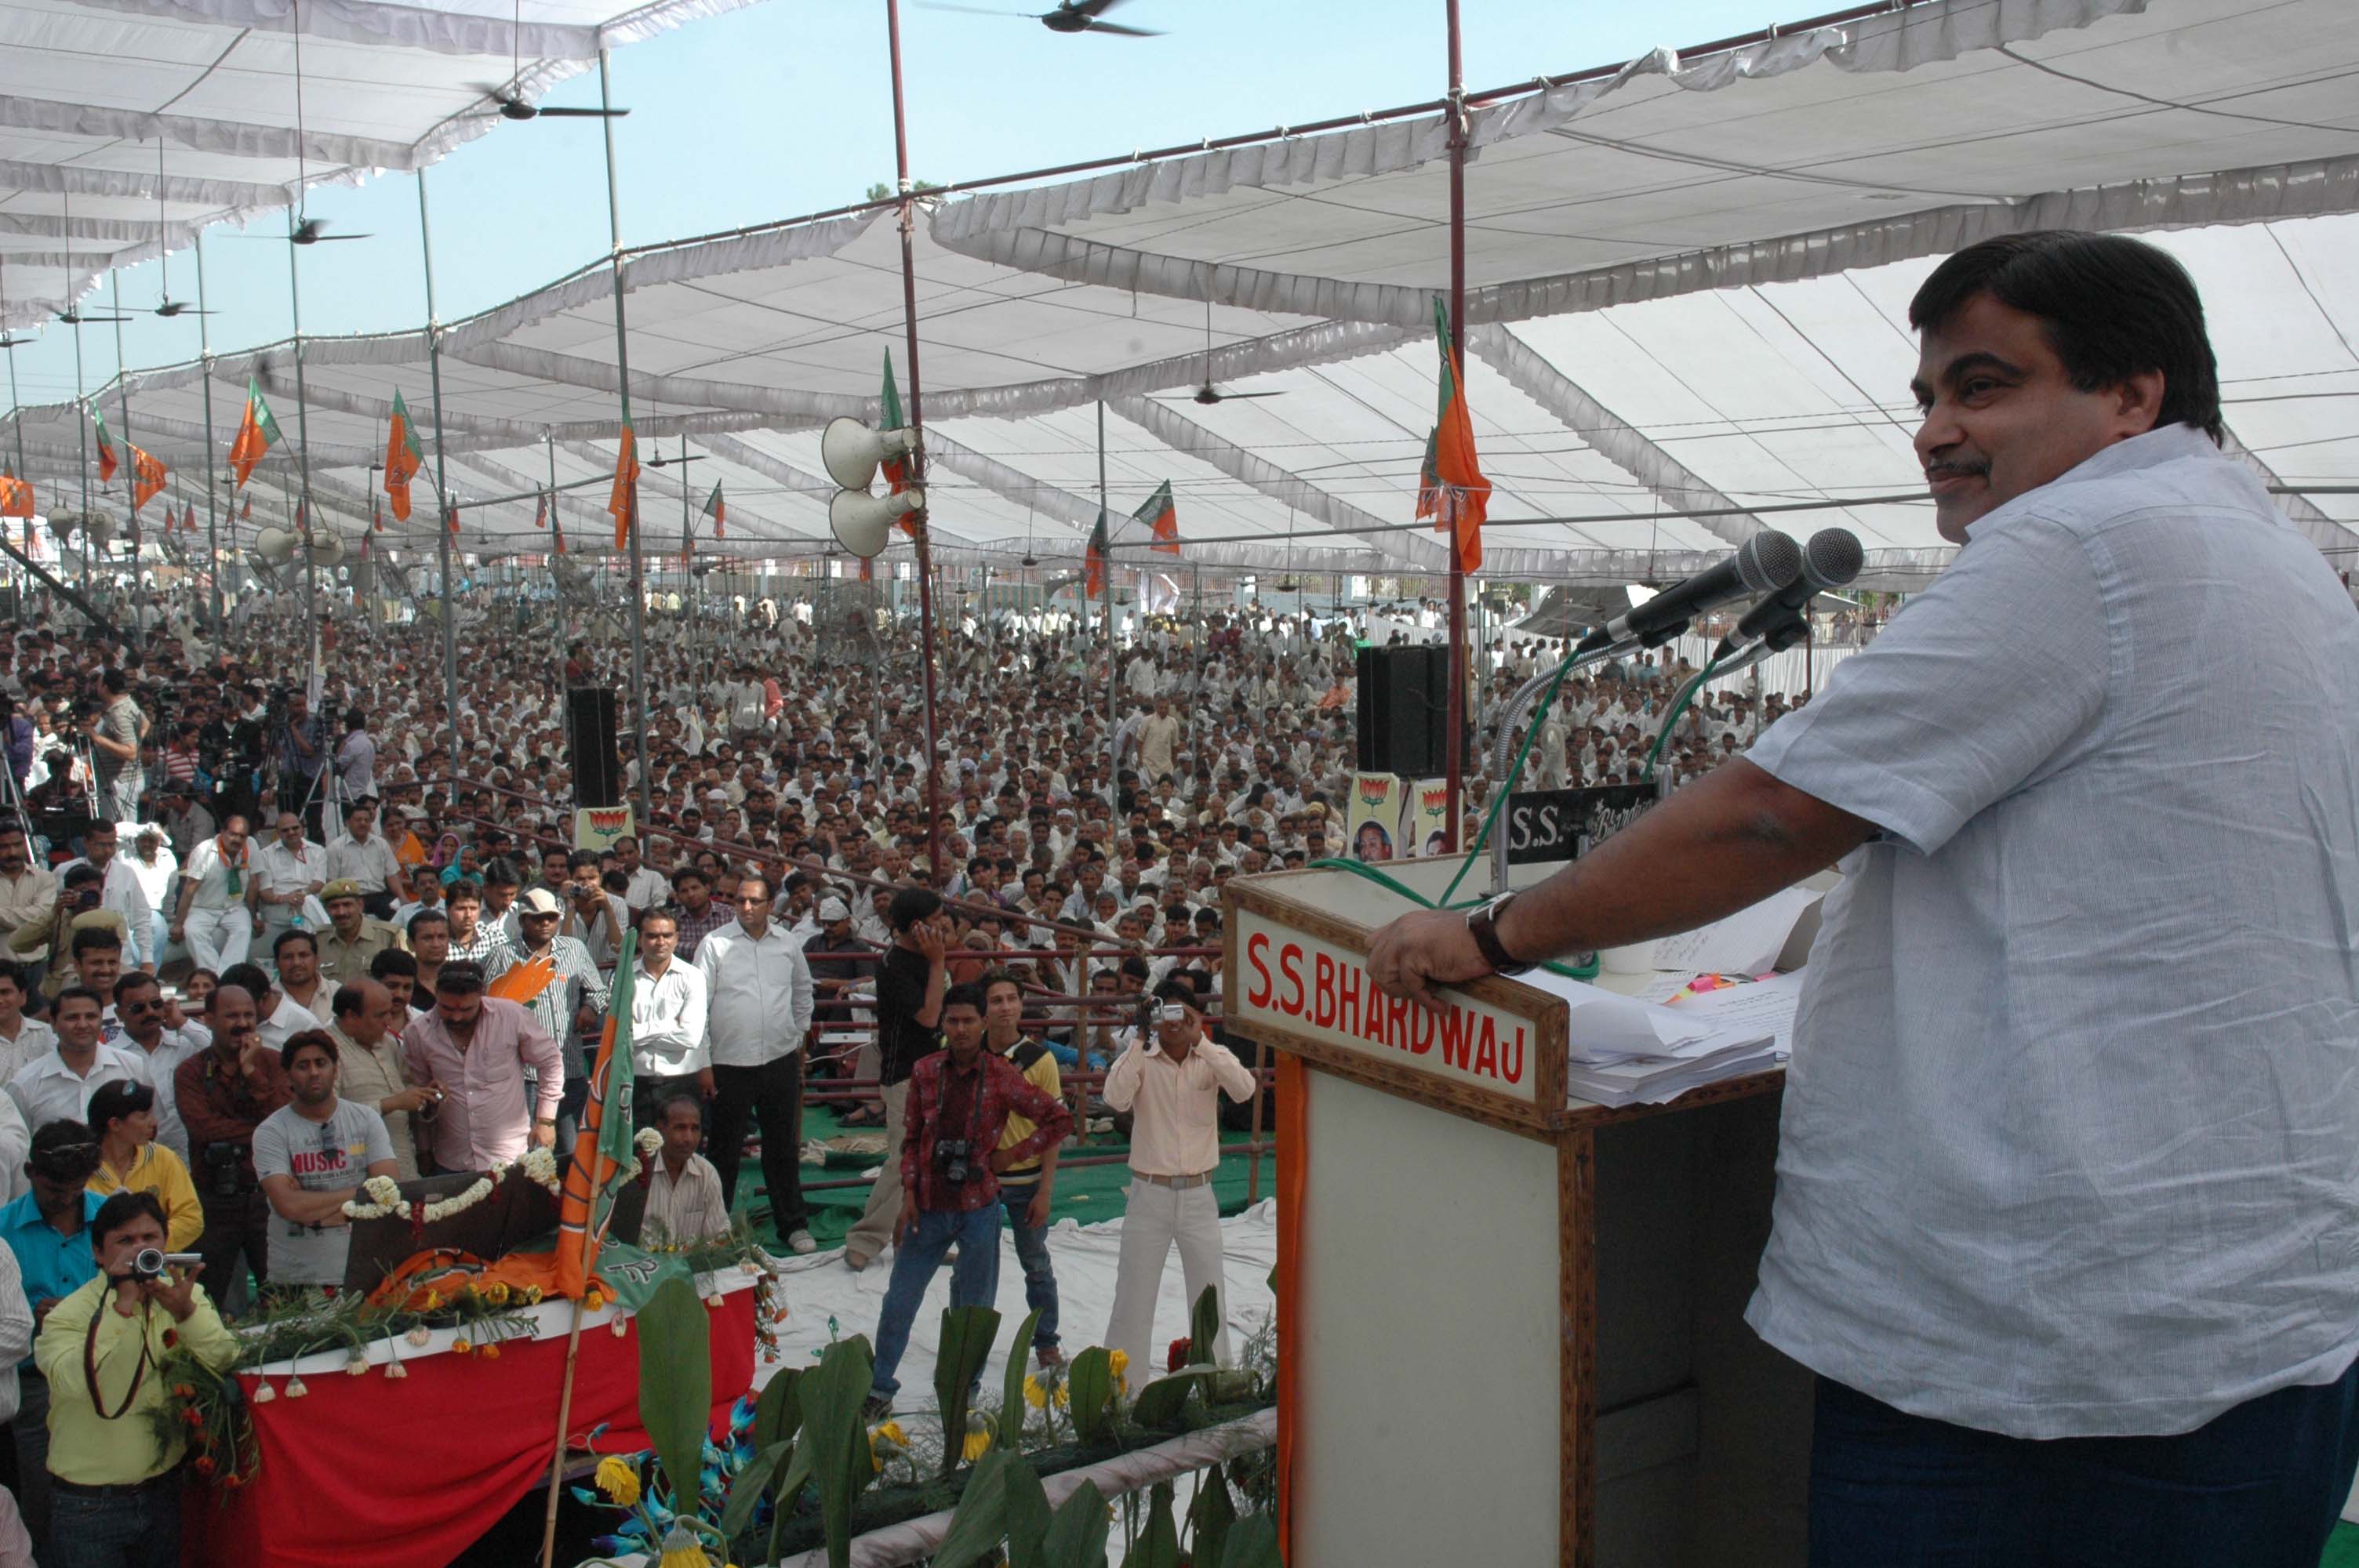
(757, 1012)
(1170, 1081)
(2067, 1217)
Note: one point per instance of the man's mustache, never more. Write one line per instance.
(1956, 471)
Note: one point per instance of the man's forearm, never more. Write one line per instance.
(1726, 841)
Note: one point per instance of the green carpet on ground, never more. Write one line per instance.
(2341, 1548)
(1087, 1194)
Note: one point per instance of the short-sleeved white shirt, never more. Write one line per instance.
(2071, 1137)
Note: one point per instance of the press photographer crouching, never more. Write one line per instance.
(960, 1099)
(116, 1488)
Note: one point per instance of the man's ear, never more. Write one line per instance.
(2137, 403)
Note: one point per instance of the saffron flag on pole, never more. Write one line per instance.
(1162, 520)
(718, 510)
(603, 1156)
(867, 569)
(16, 496)
(403, 458)
(540, 510)
(622, 499)
(246, 512)
(257, 432)
(106, 463)
(1093, 559)
(147, 477)
(1452, 488)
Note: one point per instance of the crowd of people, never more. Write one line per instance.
(254, 927)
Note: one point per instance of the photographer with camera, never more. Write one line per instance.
(300, 739)
(1170, 1081)
(114, 732)
(116, 1469)
(960, 1099)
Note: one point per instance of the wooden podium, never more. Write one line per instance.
(1518, 1336)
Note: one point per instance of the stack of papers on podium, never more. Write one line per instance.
(1628, 1052)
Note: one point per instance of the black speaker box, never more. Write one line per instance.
(590, 746)
(1404, 711)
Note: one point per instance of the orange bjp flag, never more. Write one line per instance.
(623, 500)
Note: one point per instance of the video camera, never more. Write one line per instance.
(149, 1262)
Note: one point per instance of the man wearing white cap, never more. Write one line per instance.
(571, 1007)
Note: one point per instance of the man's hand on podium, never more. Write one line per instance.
(1418, 951)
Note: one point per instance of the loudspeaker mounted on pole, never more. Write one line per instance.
(851, 452)
(862, 523)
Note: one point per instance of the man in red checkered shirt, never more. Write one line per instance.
(960, 1099)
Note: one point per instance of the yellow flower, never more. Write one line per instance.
(1064, 1397)
(978, 1440)
(1035, 1394)
(461, 1344)
(1118, 1361)
(497, 1296)
(619, 1479)
(891, 1433)
(680, 1550)
(593, 1302)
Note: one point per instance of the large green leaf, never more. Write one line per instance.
(1210, 1517)
(675, 1382)
(1162, 1402)
(981, 1522)
(1011, 1405)
(1159, 1547)
(1253, 1544)
(832, 1393)
(779, 1412)
(1204, 1327)
(968, 1333)
(747, 1487)
(1089, 1384)
(1027, 1517)
(1077, 1535)
(790, 1491)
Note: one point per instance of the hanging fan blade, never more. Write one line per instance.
(75, 319)
(561, 113)
(1094, 26)
(331, 239)
(172, 308)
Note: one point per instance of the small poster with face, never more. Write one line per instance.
(1375, 816)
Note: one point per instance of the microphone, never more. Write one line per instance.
(1763, 564)
(1831, 560)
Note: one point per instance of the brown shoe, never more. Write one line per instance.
(1049, 1357)
(853, 1261)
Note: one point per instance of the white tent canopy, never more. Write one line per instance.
(1688, 286)
(126, 126)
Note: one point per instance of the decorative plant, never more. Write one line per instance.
(967, 1335)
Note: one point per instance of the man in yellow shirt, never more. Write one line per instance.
(1026, 1189)
(117, 1489)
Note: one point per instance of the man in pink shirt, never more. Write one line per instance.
(475, 1050)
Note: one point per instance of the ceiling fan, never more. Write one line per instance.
(509, 102)
(1208, 395)
(165, 306)
(1069, 17)
(73, 317)
(307, 230)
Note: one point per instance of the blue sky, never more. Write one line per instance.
(784, 108)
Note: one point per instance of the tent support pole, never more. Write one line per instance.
(212, 502)
(1105, 580)
(1455, 751)
(303, 460)
(936, 872)
(441, 497)
(81, 446)
(623, 383)
(131, 464)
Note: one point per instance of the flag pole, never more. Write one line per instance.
(565, 1389)
(81, 446)
(213, 514)
(1455, 753)
(442, 496)
(631, 500)
(936, 872)
(302, 443)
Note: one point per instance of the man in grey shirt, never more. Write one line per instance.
(312, 1155)
(2068, 1183)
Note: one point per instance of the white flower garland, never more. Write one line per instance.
(539, 1165)
(385, 1196)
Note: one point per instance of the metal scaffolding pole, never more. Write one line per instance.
(1106, 583)
(303, 450)
(631, 501)
(442, 496)
(936, 872)
(212, 502)
(130, 462)
(1455, 753)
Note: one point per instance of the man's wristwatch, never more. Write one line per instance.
(1482, 924)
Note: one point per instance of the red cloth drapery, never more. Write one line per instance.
(406, 1474)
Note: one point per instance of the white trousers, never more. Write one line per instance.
(219, 937)
(1156, 1217)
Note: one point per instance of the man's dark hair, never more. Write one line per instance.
(911, 905)
(2115, 307)
(292, 934)
(663, 1112)
(306, 1037)
(503, 872)
(425, 917)
(122, 1209)
(119, 1097)
(349, 1000)
(967, 994)
(998, 978)
(97, 939)
(81, 876)
(1179, 988)
(393, 961)
(65, 1149)
(249, 978)
(72, 992)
